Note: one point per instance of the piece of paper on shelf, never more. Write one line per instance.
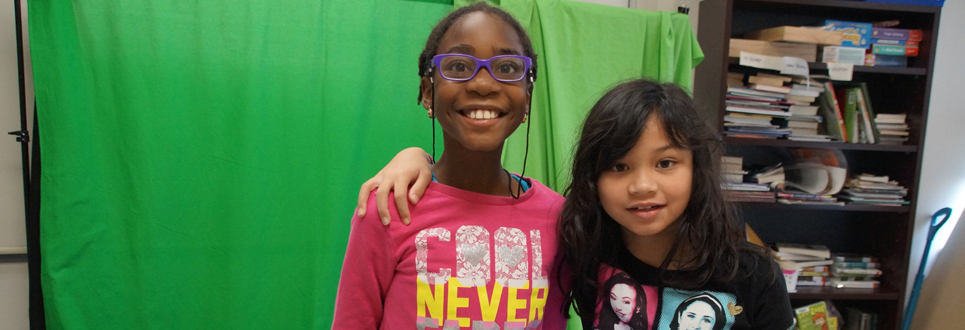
(787, 65)
(795, 66)
(840, 71)
(762, 61)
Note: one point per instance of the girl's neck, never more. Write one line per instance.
(654, 249)
(476, 171)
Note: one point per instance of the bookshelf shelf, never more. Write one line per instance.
(882, 231)
(14, 257)
(817, 66)
(821, 293)
(846, 207)
(820, 145)
(827, 4)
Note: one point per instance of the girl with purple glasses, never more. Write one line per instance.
(481, 255)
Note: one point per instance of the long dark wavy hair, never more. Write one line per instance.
(609, 318)
(708, 228)
(719, 318)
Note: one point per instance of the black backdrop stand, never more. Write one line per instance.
(31, 188)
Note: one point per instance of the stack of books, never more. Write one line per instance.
(748, 192)
(859, 320)
(892, 47)
(810, 261)
(733, 168)
(755, 186)
(814, 276)
(758, 109)
(785, 197)
(892, 127)
(805, 122)
(736, 190)
(854, 271)
(877, 190)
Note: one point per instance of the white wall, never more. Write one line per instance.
(13, 276)
(943, 168)
(943, 293)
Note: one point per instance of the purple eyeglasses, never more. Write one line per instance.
(461, 67)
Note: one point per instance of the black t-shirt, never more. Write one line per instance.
(757, 302)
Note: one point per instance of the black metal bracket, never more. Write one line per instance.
(22, 136)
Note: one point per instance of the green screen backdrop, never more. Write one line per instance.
(202, 158)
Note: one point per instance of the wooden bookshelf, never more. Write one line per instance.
(821, 293)
(883, 231)
(821, 145)
(846, 207)
(818, 67)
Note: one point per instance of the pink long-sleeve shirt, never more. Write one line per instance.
(467, 261)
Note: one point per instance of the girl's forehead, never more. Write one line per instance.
(480, 32)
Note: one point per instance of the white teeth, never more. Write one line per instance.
(482, 114)
(644, 208)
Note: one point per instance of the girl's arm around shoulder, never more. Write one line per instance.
(408, 172)
(367, 272)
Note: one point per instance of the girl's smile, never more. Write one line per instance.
(482, 115)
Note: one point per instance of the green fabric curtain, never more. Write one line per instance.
(202, 158)
(584, 49)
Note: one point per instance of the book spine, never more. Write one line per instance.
(900, 34)
(884, 49)
(854, 259)
(837, 109)
(894, 42)
(851, 114)
(855, 264)
(865, 118)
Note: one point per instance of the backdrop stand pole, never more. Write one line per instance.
(31, 207)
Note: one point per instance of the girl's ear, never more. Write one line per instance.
(426, 86)
(529, 97)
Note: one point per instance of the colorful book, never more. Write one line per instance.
(834, 123)
(812, 317)
(856, 34)
(899, 34)
(885, 49)
(850, 109)
(864, 105)
(894, 42)
(851, 257)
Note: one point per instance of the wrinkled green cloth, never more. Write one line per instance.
(583, 50)
(201, 159)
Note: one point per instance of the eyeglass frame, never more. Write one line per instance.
(437, 61)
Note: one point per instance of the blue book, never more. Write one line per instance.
(856, 34)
